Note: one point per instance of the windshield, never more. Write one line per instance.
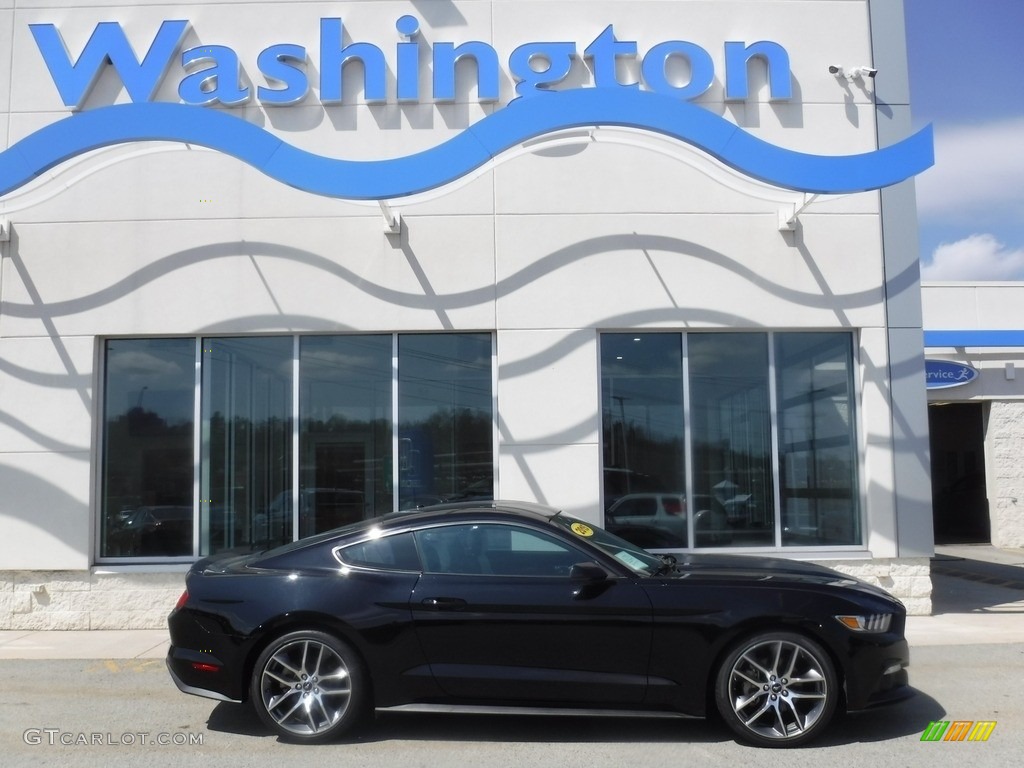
(633, 557)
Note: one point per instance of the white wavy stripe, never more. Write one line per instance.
(69, 173)
(65, 176)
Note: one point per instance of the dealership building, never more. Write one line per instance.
(975, 348)
(272, 267)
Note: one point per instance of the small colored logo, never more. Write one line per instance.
(958, 730)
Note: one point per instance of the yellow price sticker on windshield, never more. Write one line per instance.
(582, 530)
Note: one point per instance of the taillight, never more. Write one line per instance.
(181, 601)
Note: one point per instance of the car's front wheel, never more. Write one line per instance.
(309, 686)
(777, 689)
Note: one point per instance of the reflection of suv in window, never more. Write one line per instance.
(654, 520)
(659, 520)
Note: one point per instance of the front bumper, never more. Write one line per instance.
(877, 675)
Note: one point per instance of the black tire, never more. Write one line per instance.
(309, 687)
(777, 689)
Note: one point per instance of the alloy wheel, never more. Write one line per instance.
(304, 686)
(777, 690)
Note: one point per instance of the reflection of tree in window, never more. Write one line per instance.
(247, 441)
(345, 429)
(147, 475)
(731, 428)
(642, 414)
(445, 417)
(817, 448)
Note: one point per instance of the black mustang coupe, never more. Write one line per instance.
(513, 607)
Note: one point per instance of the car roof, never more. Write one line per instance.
(461, 509)
(396, 521)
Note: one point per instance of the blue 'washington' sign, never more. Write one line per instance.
(213, 77)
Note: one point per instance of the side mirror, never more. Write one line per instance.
(592, 573)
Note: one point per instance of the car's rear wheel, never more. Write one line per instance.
(777, 689)
(309, 686)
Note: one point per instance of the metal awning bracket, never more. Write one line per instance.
(789, 215)
(392, 220)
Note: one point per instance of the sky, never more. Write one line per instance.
(966, 61)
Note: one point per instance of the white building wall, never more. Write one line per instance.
(546, 249)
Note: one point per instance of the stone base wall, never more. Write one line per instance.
(1004, 448)
(909, 579)
(81, 600)
(33, 600)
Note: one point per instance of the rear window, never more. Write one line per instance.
(389, 553)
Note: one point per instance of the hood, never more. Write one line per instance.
(751, 565)
(777, 569)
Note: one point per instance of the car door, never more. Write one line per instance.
(501, 619)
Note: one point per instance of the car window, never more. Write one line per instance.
(393, 553)
(630, 555)
(495, 549)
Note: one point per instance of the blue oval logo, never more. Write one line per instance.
(942, 374)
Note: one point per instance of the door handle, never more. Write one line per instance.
(444, 603)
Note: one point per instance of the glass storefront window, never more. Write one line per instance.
(148, 468)
(708, 439)
(817, 451)
(642, 418)
(445, 418)
(296, 436)
(707, 406)
(732, 446)
(345, 446)
(247, 444)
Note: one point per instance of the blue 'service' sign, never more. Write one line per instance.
(942, 374)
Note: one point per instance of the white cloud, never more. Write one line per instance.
(978, 169)
(978, 257)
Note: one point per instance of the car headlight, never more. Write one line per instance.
(876, 622)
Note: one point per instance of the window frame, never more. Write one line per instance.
(339, 552)
(100, 452)
(512, 526)
(859, 498)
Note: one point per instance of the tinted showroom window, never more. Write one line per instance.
(445, 417)
(817, 449)
(200, 436)
(148, 464)
(246, 443)
(345, 433)
(731, 436)
(730, 439)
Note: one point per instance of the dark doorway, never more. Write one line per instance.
(959, 498)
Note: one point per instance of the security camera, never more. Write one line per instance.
(857, 73)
